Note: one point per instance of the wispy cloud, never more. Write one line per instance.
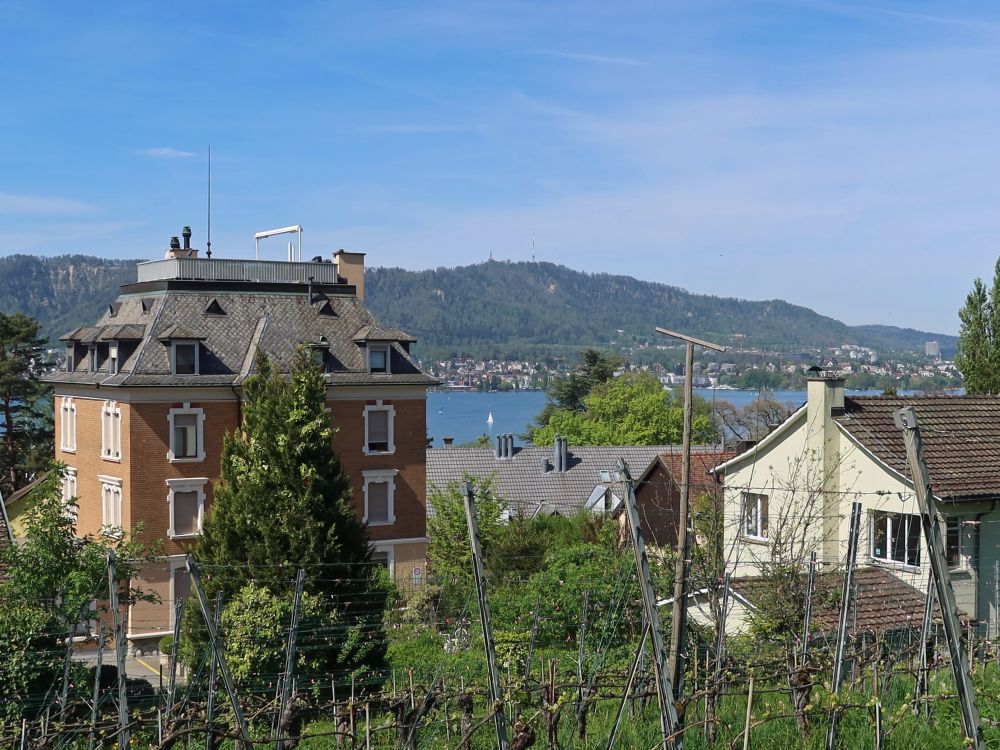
(37, 205)
(590, 58)
(166, 153)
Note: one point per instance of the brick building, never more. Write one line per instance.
(147, 393)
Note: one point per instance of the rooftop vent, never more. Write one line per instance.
(214, 308)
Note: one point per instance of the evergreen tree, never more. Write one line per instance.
(284, 502)
(978, 356)
(25, 407)
(568, 394)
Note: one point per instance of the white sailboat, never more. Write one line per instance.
(489, 420)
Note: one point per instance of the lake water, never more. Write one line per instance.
(462, 414)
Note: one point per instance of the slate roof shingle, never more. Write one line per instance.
(960, 436)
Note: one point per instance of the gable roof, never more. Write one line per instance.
(960, 436)
(703, 461)
(521, 481)
(883, 601)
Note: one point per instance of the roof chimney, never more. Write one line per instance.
(500, 446)
(557, 454)
(352, 267)
(176, 251)
(186, 234)
(448, 440)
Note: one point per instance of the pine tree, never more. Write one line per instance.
(25, 410)
(284, 503)
(978, 356)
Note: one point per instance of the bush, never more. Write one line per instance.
(166, 644)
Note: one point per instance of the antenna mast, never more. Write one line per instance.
(208, 246)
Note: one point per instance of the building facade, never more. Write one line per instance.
(147, 393)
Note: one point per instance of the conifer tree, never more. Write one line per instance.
(978, 356)
(284, 503)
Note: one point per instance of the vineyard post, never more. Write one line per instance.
(628, 688)
(217, 652)
(484, 611)
(581, 708)
(531, 641)
(210, 701)
(807, 620)
(97, 689)
(923, 667)
(288, 676)
(669, 723)
(845, 606)
(172, 681)
(123, 729)
(906, 420)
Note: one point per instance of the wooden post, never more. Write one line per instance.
(581, 709)
(746, 725)
(123, 728)
(97, 689)
(920, 687)
(531, 641)
(172, 680)
(210, 701)
(288, 677)
(906, 420)
(845, 606)
(678, 633)
(479, 572)
(669, 722)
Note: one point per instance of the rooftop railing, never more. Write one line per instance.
(263, 271)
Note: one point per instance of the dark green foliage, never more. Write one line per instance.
(284, 502)
(25, 406)
(49, 585)
(978, 357)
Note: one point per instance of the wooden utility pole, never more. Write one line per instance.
(678, 633)
(496, 695)
(669, 723)
(906, 420)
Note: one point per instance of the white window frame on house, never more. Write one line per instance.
(383, 348)
(67, 425)
(113, 363)
(390, 553)
(111, 431)
(957, 526)
(69, 491)
(894, 521)
(111, 505)
(173, 356)
(192, 484)
(377, 476)
(199, 434)
(391, 429)
(754, 527)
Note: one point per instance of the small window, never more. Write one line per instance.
(69, 491)
(92, 358)
(70, 357)
(954, 544)
(755, 515)
(186, 434)
(111, 431)
(896, 538)
(67, 425)
(378, 431)
(185, 355)
(186, 498)
(379, 497)
(111, 505)
(214, 308)
(113, 358)
(378, 358)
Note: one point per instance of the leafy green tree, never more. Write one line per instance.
(25, 406)
(48, 587)
(568, 394)
(448, 553)
(633, 409)
(284, 503)
(978, 353)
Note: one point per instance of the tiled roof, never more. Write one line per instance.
(960, 436)
(379, 333)
(132, 332)
(523, 483)
(277, 321)
(884, 601)
(702, 462)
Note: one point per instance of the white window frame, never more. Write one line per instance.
(892, 518)
(192, 484)
(111, 431)
(199, 432)
(375, 476)
(390, 551)
(379, 348)
(111, 496)
(964, 555)
(173, 356)
(113, 364)
(759, 533)
(69, 491)
(380, 406)
(67, 425)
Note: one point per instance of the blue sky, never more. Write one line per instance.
(838, 155)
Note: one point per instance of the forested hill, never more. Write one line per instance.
(492, 309)
(500, 308)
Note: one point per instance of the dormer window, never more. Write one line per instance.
(378, 358)
(184, 357)
(113, 358)
(70, 357)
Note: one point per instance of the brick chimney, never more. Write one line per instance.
(352, 267)
(824, 401)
